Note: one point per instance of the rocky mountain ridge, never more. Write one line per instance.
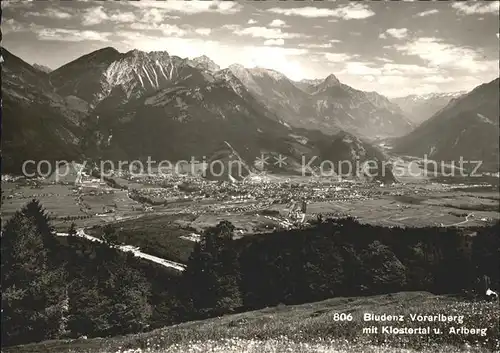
(326, 105)
(124, 106)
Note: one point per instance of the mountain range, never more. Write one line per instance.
(124, 106)
(329, 106)
(467, 127)
(326, 105)
(419, 108)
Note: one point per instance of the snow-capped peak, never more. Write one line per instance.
(427, 96)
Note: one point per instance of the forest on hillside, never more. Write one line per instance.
(67, 287)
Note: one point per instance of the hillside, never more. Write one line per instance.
(92, 289)
(37, 123)
(306, 328)
(467, 127)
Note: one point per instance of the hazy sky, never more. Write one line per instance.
(394, 48)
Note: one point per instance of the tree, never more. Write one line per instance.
(109, 235)
(382, 271)
(33, 298)
(323, 271)
(72, 230)
(486, 255)
(213, 274)
(108, 296)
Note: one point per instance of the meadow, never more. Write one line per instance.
(307, 328)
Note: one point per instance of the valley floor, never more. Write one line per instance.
(314, 327)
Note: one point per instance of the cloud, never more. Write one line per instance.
(372, 78)
(355, 11)
(337, 57)
(361, 68)
(203, 31)
(11, 26)
(303, 11)
(438, 79)
(439, 54)
(277, 50)
(386, 60)
(277, 23)
(395, 85)
(190, 7)
(392, 79)
(265, 32)
(428, 13)
(122, 17)
(171, 30)
(94, 16)
(316, 45)
(347, 12)
(166, 29)
(51, 13)
(72, 35)
(231, 27)
(278, 41)
(280, 59)
(97, 15)
(251, 21)
(477, 7)
(154, 15)
(398, 33)
(419, 89)
(17, 4)
(407, 70)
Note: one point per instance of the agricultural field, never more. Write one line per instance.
(311, 328)
(453, 210)
(160, 236)
(168, 230)
(59, 200)
(65, 204)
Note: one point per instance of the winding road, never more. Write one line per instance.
(135, 250)
(467, 218)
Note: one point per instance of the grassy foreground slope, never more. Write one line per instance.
(309, 328)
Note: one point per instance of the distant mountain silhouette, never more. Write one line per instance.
(419, 108)
(467, 127)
